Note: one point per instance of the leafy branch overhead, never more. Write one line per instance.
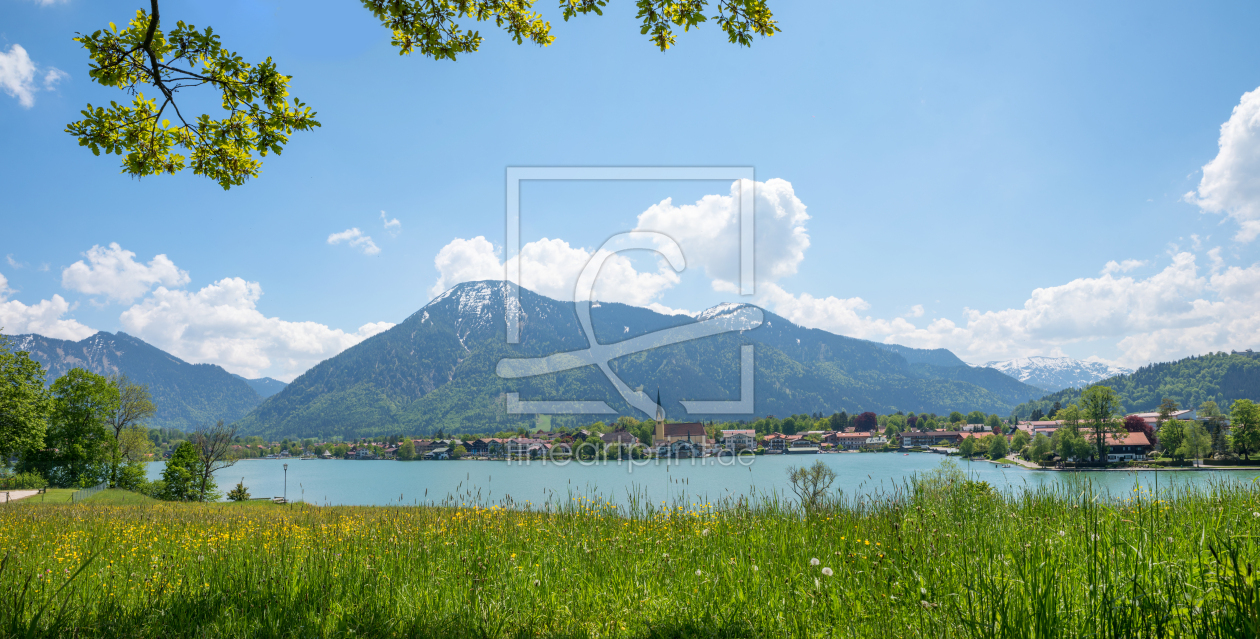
(154, 136)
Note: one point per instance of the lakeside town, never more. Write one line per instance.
(1170, 437)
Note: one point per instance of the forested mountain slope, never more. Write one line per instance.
(1218, 377)
(186, 395)
(436, 370)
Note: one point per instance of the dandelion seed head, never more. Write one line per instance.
(827, 572)
(814, 561)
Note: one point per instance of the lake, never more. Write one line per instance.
(350, 482)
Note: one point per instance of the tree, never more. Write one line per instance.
(975, 417)
(1040, 447)
(136, 449)
(25, 403)
(811, 484)
(1244, 418)
(1197, 442)
(839, 421)
(1054, 410)
(1035, 416)
(135, 406)
(179, 478)
(213, 446)
(994, 422)
(1171, 437)
(1215, 422)
(956, 417)
(998, 447)
(258, 116)
(1099, 404)
(866, 422)
(407, 450)
(459, 451)
(76, 447)
(967, 448)
(1019, 440)
(239, 492)
(1166, 410)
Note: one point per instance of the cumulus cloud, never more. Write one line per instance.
(708, 232)
(113, 272)
(550, 267)
(394, 227)
(357, 239)
(17, 75)
(220, 324)
(1122, 267)
(1173, 313)
(13, 262)
(1231, 181)
(44, 317)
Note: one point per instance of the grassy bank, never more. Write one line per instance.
(948, 559)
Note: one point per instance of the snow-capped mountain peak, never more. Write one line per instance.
(1057, 373)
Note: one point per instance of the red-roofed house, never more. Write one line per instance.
(1127, 446)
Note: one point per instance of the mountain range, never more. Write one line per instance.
(1217, 377)
(187, 395)
(1057, 373)
(436, 370)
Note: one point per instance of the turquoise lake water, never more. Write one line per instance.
(345, 482)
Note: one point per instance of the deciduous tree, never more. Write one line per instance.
(213, 447)
(1244, 419)
(25, 403)
(76, 447)
(135, 407)
(1099, 405)
(154, 135)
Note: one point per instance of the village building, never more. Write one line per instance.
(741, 439)
(931, 438)
(1127, 447)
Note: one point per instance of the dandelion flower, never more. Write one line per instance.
(705, 532)
(698, 573)
(1255, 514)
(1062, 534)
(814, 561)
(536, 582)
(827, 572)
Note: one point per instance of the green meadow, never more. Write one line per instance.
(943, 557)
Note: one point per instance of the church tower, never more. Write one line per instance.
(660, 417)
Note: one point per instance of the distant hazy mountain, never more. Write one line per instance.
(1057, 373)
(187, 395)
(265, 386)
(436, 369)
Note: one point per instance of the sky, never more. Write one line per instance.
(1003, 180)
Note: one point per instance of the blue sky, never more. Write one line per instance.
(963, 174)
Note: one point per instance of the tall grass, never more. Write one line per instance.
(938, 557)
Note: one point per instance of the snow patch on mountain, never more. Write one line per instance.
(1057, 373)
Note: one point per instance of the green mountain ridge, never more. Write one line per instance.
(1218, 377)
(187, 395)
(436, 369)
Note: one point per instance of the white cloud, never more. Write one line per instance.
(1122, 267)
(357, 239)
(1231, 181)
(551, 267)
(113, 272)
(220, 324)
(12, 262)
(52, 77)
(1173, 313)
(915, 311)
(393, 226)
(17, 75)
(44, 318)
(708, 232)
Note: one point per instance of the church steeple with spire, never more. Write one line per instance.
(660, 416)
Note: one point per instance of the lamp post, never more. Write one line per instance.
(286, 484)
